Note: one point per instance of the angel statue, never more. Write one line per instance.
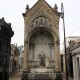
(42, 59)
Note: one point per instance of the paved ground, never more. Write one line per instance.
(17, 76)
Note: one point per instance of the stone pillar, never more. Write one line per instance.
(25, 59)
(64, 63)
(26, 46)
(58, 54)
(57, 57)
(57, 61)
(24, 76)
(74, 68)
(77, 67)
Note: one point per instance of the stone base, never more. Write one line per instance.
(41, 76)
(35, 76)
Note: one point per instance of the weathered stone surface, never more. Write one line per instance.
(41, 37)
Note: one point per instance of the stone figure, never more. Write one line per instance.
(42, 60)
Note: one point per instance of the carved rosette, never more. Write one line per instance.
(40, 22)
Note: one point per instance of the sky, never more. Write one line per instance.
(12, 11)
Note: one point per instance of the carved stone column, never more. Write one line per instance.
(57, 56)
(74, 68)
(59, 62)
(25, 59)
(26, 48)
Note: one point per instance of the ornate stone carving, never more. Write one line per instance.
(44, 7)
(41, 22)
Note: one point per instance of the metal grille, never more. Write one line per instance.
(42, 77)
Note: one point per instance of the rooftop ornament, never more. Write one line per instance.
(27, 7)
(55, 7)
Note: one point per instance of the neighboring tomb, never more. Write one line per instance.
(5, 48)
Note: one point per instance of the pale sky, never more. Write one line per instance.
(12, 11)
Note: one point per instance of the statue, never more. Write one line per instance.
(42, 60)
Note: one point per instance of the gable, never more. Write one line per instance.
(41, 5)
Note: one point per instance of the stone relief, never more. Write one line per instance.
(41, 22)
